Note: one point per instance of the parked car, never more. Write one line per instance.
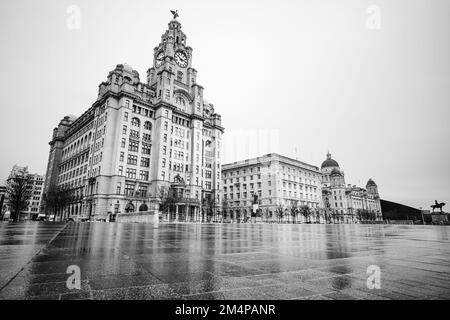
(41, 217)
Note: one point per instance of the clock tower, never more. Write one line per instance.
(172, 75)
(188, 144)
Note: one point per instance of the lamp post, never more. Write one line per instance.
(421, 211)
(255, 207)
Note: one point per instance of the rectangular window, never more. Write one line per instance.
(129, 189)
(122, 155)
(122, 143)
(120, 170)
(143, 175)
(125, 116)
(133, 146)
(145, 162)
(142, 191)
(124, 130)
(131, 173)
(132, 159)
(119, 187)
(146, 148)
(134, 134)
(146, 137)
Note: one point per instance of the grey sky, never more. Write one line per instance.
(310, 71)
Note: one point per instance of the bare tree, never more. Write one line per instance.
(56, 199)
(167, 200)
(18, 191)
(208, 206)
(224, 209)
(306, 212)
(293, 209)
(280, 213)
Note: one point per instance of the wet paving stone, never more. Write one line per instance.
(223, 261)
(122, 281)
(154, 292)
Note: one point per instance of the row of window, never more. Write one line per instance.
(243, 179)
(244, 186)
(134, 146)
(132, 173)
(141, 110)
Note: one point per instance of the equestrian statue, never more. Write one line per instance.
(437, 205)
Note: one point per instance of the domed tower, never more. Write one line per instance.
(372, 188)
(336, 178)
(328, 166)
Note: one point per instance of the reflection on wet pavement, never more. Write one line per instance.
(223, 261)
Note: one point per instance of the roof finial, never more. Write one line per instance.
(175, 14)
(328, 155)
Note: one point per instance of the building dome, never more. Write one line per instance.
(329, 162)
(335, 171)
(371, 183)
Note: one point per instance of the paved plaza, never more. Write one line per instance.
(223, 261)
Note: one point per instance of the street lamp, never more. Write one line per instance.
(421, 211)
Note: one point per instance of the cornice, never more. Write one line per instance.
(196, 116)
(164, 104)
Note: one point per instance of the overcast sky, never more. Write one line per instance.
(315, 75)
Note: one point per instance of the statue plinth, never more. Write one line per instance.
(439, 218)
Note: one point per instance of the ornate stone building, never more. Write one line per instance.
(127, 148)
(278, 182)
(343, 203)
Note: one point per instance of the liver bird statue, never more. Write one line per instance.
(175, 14)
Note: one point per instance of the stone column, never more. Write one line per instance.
(176, 213)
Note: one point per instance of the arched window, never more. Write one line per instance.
(180, 76)
(135, 122)
(143, 207)
(180, 101)
(148, 125)
(129, 207)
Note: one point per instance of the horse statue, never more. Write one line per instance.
(437, 205)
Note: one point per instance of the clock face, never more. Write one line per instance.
(159, 59)
(181, 59)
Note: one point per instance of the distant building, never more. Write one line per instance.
(35, 186)
(278, 181)
(397, 211)
(344, 202)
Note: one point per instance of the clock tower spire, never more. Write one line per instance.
(172, 72)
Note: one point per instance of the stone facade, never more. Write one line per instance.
(137, 136)
(281, 183)
(343, 203)
(278, 182)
